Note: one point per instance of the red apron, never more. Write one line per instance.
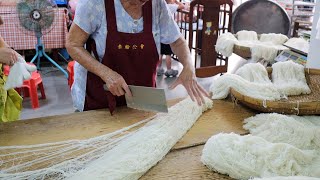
(133, 56)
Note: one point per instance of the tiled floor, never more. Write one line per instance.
(59, 100)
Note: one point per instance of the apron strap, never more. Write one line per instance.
(112, 21)
(110, 15)
(147, 16)
(91, 47)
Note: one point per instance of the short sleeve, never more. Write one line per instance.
(173, 8)
(89, 14)
(169, 30)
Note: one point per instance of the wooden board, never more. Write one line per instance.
(183, 164)
(82, 125)
(222, 118)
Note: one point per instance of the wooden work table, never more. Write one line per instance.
(183, 162)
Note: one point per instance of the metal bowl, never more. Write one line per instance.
(261, 16)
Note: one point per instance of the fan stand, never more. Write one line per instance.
(40, 53)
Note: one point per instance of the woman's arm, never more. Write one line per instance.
(187, 77)
(75, 46)
(3, 43)
(7, 55)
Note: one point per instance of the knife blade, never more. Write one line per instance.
(146, 98)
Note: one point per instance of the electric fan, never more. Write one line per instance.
(37, 16)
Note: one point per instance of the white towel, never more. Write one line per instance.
(19, 72)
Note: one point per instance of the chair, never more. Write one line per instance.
(29, 87)
(207, 20)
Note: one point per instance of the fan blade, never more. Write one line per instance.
(47, 20)
(26, 10)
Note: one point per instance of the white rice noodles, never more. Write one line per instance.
(245, 35)
(248, 44)
(266, 48)
(279, 145)
(298, 43)
(276, 39)
(254, 72)
(252, 80)
(220, 88)
(302, 132)
(266, 51)
(225, 44)
(118, 155)
(289, 78)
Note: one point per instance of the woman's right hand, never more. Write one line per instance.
(8, 56)
(116, 84)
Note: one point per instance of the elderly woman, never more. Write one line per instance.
(127, 35)
(10, 100)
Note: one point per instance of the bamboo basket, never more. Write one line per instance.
(242, 51)
(300, 105)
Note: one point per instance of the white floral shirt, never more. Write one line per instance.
(90, 16)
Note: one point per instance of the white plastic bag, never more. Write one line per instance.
(19, 72)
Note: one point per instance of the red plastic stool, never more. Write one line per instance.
(30, 89)
(71, 72)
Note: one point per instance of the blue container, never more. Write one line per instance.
(61, 3)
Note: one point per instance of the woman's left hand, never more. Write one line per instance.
(188, 79)
(8, 56)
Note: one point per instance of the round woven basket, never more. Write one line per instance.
(300, 105)
(242, 51)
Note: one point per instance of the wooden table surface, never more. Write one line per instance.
(183, 162)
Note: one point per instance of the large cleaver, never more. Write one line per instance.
(146, 98)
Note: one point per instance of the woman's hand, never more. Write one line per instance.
(8, 56)
(115, 83)
(188, 79)
(75, 46)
